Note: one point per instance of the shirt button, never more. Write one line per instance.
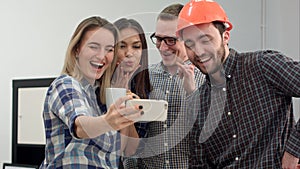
(170, 77)
(229, 76)
(236, 158)
(234, 136)
(229, 113)
(166, 144)
(167, 161)
(224, 89)
(165, 125)
(167, 91)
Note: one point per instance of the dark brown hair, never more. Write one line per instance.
(140, 82)
(220, 26)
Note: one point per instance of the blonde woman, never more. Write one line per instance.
(78, 133)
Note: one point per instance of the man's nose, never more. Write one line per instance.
(199, 50)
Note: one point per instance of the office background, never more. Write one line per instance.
(35, 34)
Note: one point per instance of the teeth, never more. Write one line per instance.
(167, 53)
(205, 59)
(97, 64)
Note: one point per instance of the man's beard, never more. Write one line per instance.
(217, 58)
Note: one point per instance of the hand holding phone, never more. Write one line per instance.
(154, 110)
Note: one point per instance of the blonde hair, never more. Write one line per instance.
(70, 65)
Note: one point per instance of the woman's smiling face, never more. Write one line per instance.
(95, 53)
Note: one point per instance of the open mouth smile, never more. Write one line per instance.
(97, 65)
(203, 60)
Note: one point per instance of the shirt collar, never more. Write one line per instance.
(87, 86)
(228, 65)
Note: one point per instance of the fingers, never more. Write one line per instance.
(120, 70)
(181, 52)
(180, 69)
(123, 117)
(132, 113)
(185, 69)
(186, 72)
(118, 108)
(133, 95)
(116, 80)
(121, 101)
(180, 65)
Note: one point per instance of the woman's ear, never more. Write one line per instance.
(226, 37)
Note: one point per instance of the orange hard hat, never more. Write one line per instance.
(201, 11)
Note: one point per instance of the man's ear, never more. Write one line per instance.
(226, 37)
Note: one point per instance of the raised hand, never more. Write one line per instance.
(289, 161)
(121, 78)
(118, 116)
(187, 73)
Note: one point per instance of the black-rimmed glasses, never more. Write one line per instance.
(170, 41)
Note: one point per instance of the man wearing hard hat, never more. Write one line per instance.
(243, 112)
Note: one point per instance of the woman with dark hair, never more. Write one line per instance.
(132, 70)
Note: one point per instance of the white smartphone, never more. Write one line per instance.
(154, 110)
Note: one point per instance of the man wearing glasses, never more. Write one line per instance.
(166, 145)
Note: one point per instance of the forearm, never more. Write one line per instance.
(90, 127)
(130, 140)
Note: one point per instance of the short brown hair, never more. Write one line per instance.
(170, 12)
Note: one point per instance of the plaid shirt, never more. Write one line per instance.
(248, 122)
(67, 99)
(167, 145)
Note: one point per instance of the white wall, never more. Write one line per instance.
(282, 20)
(283, 32)
(34, 37)
(35, 33)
